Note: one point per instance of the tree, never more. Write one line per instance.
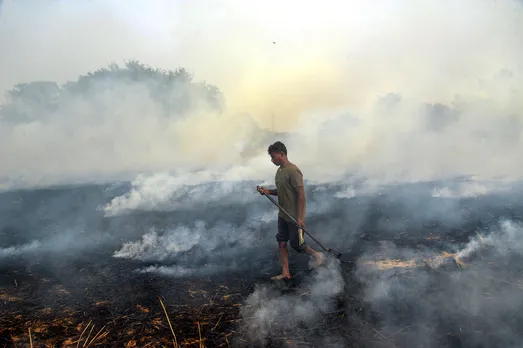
(174, 92)
(30, 101)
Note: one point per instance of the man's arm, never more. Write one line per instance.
(266, 191)
(296, 179)
(301, 202)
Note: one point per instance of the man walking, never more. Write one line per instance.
(291, 197)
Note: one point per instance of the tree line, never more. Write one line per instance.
(174, 92)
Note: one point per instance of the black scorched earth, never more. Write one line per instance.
(121, 266)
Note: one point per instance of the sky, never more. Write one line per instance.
(305, 63)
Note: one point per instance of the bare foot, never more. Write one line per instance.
(319, 260)
(281, 276)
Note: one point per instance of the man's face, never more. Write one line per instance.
(276, 158)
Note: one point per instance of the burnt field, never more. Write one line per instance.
(135, 266)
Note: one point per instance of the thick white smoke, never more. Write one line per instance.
(267, 314)
(373, 98)
(423, 289)
(509, 239)
(380, 90)
(159, 247)
(164, 192)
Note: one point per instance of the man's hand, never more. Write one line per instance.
(301, 223)
(263, 190)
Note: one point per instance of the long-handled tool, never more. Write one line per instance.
(329, 250)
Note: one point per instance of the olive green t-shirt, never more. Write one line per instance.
(288, 178)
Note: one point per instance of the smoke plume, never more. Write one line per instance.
(360, 90)
(267, 314)
(136, 133)
(476, 305)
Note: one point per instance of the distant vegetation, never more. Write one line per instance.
(173, 94)
(131, 90)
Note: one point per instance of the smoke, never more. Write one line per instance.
(226, 237)
(462, 282)
(16, 251)
(214, 228)
(164, 192)
(379, 104)
(269, 315)
(201, 241)
(508, 240)
(377, 90)
(476, 304)
(160, 247)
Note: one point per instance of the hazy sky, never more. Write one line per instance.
(299, 60)
(325, 54)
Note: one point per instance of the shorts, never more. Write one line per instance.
(288, 231)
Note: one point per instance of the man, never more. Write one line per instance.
(291, 197)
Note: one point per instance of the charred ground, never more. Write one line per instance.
(70, 290)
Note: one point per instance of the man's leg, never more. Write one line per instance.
(282, 237)
(284, 256)
(319, 258)
(302, 247)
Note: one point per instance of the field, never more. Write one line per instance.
(429, 283)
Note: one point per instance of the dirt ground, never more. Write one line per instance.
(88, 298)
(104, 303)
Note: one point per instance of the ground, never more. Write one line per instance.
(109, 305)
(128, 309)
(72, 292)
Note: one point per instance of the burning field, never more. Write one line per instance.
(133, 136)
(97, 266)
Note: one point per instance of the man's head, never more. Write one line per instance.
(278, 153)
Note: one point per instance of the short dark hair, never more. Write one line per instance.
(277, 147)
